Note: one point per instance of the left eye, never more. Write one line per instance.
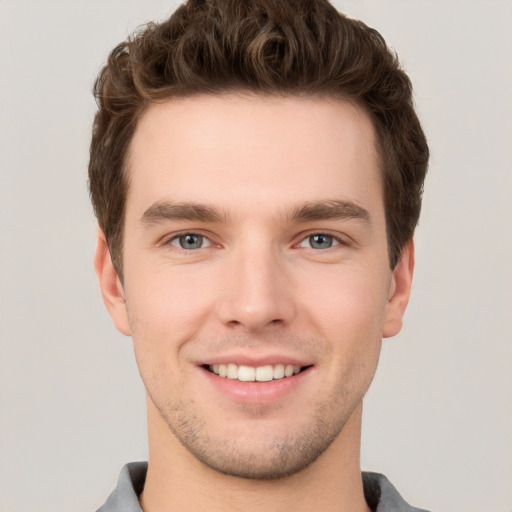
(190, 241)
(319, 241)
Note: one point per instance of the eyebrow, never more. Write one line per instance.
(329, 210)
(168, 210)
(304, 212)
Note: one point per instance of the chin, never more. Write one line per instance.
(262, 450)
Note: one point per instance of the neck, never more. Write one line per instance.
(176, 480)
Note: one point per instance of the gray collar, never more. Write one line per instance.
(380, 494)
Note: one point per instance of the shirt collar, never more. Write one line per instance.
(379, 493)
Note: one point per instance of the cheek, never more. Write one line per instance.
(345, 300)
(349, 316)
(168, 303)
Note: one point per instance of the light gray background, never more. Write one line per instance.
(438, 419)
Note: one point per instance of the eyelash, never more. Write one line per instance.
(177, 236)
(337, 240)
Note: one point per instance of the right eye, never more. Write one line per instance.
(190, 241)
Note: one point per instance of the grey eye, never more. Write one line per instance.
(321, 241)
(190, 241)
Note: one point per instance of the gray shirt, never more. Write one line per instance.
(380, 494)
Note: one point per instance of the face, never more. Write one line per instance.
(256, 281)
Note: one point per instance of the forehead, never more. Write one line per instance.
(237, 150)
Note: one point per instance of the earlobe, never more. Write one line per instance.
(399, 291)
(110, 285)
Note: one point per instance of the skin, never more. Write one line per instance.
(257, 289)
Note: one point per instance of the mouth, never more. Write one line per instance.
(264, 373)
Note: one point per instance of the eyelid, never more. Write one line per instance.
(166, 240)
(340, 239)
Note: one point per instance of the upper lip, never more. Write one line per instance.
(256, 360)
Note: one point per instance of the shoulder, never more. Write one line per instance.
(124, 498)
(381, 495)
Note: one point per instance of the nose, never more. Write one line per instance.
(257, 290)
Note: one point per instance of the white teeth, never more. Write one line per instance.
(264, 373)
(278, 371)
(232, 371)
(246, 373)
(249, 373)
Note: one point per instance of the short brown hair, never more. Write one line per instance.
(290, 47)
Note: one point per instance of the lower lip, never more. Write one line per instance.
(256, 392)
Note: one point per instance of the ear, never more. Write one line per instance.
(399, 291)
(110, 285)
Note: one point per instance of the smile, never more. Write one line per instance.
(251, 374)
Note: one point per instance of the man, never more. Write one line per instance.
(256, 171)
